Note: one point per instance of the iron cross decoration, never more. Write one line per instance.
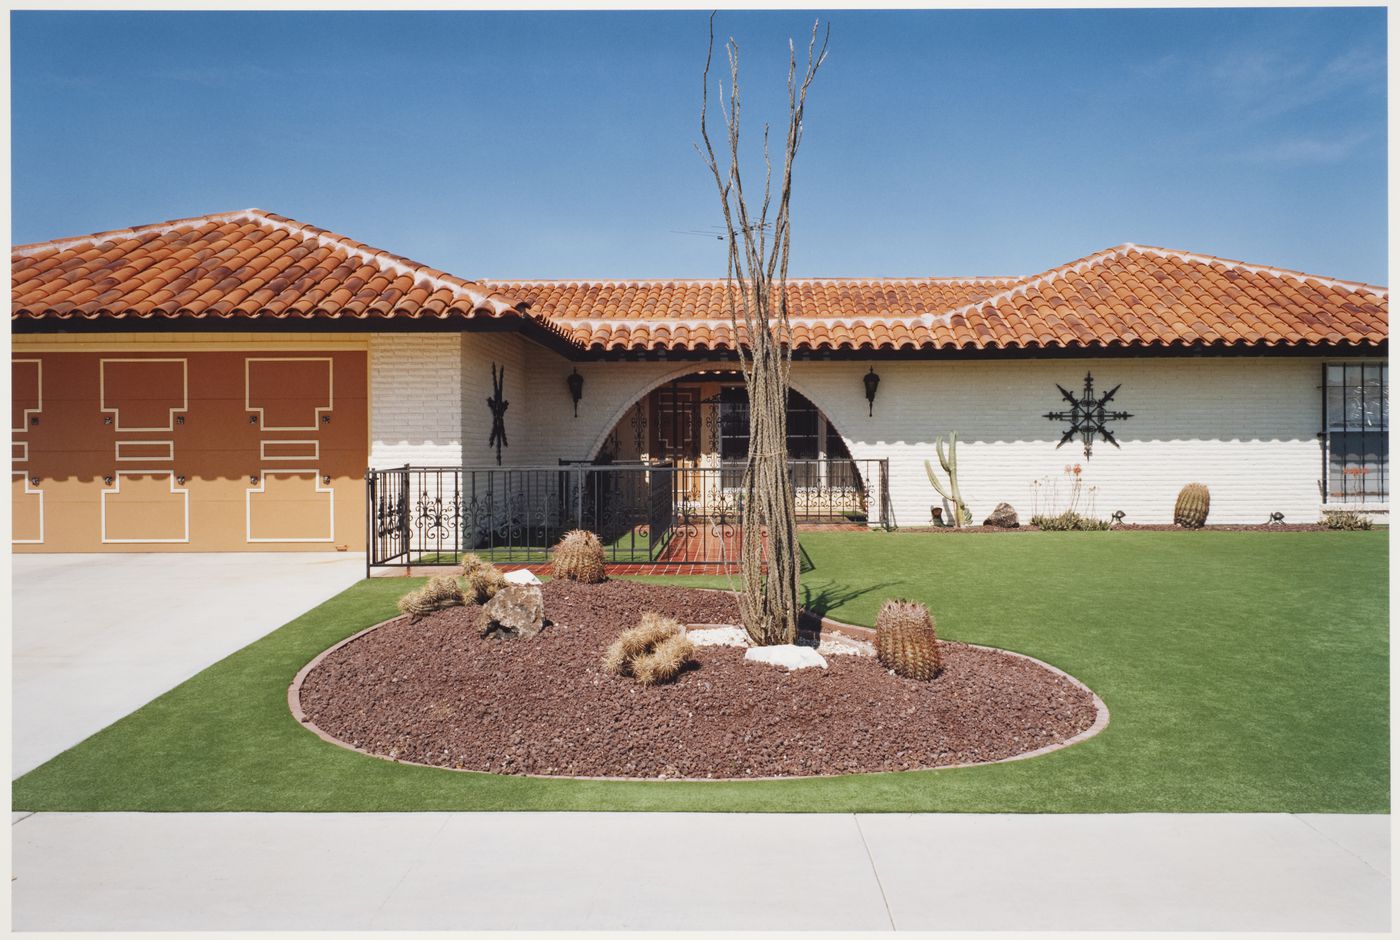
(1088, 415)
(498, 406)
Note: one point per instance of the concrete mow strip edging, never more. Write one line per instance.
(851, 630)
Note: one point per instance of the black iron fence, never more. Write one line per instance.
(642, 512)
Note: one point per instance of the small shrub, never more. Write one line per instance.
(579, 557)
(1346, 520)
(656, 650)
(439, 593)
(1070, 521)
(484, 580)
(905, 640)
(1192, 506)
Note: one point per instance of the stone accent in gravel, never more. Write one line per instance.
(515, 611)
(1003, 517)
(721, 635)
(790, 656)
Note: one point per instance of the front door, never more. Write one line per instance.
(676, 425)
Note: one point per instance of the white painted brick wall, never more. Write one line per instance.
(519, 358)
(416, 401)
(609, 389)
(1245, 426)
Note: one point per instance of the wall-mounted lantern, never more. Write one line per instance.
(872, 383)
(575, 388)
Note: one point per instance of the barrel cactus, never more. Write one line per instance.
(438, 593)
(1192, 506)
(484, 579)
(656, 650)
(905, 640)
(579, 557)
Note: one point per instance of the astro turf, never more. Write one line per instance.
(1244, 672)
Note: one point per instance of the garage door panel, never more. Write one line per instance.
(26, 393)
(26, 510)
(291, 506)
(145, 506)
(210, 452)
(290, 394)
(144, 394)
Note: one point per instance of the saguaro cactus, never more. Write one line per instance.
(949, 460)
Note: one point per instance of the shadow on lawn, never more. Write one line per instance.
(835, 595)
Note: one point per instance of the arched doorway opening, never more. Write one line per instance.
(699, 424)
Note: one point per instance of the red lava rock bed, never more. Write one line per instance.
(434, 692)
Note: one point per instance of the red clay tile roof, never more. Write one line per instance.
(236, 264)
(1129, 296)
(253, 264)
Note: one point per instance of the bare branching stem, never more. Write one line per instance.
(756, 297)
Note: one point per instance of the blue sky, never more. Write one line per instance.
(514, 145)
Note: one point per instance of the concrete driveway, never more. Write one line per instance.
(98, 636)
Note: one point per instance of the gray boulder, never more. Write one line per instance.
(516, 610)
(1003, 517)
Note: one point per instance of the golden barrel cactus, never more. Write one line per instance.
(1192, 506)
(579, 557)
(905, 640)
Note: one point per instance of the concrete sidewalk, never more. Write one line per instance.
(98, 636)
(134, 871)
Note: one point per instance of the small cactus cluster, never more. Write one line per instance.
(484, 579)
(905, 640)
(440, 592)
(656, 650)
(579, 557)
(1192, 506)
(1346, 520)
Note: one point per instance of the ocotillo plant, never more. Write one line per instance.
(961, 514)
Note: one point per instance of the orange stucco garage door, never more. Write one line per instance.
(188, 451)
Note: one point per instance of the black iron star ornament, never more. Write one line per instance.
(1088, 415)
(498, 406)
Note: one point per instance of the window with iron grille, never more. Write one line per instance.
(1356, 419)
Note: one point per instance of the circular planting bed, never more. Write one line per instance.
(432, 691)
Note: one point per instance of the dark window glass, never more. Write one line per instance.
(1358, 418)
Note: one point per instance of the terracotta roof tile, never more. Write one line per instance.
(1129, 295)
(237, 264)
(254, 264)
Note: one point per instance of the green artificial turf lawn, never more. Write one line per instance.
(1243, 672)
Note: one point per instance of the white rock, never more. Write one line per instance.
(839, 644)
(718, 636)
(790, 655)
(522, 576)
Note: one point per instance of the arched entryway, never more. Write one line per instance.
(698, 424)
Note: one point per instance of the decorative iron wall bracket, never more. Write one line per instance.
(1088, 416)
